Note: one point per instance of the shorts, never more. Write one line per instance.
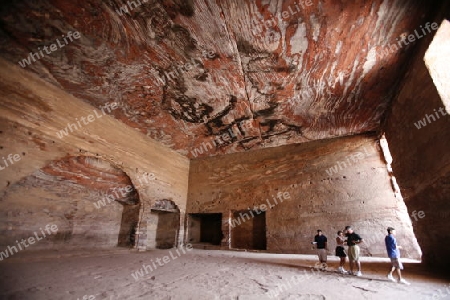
(396, 263)
(353, 253)
(322, 253)
(340, 251)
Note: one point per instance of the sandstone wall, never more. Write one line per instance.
(421, 157)
(356, 191)
(35, 202)
(31, 113)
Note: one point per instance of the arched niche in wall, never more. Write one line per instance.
(93, 203)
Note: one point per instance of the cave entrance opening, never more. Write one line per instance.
(248, 230)
(437, 60)
(205, 228)
(384, 148)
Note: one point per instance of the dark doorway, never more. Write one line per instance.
(166, 215)
(128, 226)
(248, 230)
(205, 228)
(167, 230)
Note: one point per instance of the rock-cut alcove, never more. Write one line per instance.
(165, 216)
(92, 202)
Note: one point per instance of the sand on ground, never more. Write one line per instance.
(203, 274)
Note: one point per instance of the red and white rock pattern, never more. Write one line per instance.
(186, 72)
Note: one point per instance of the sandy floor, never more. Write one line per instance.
(202, 274)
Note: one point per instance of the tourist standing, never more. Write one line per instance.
(393, 251)
(321, 244)
(353, 239)
(340, 251)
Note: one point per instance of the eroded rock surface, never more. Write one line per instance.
(189, 72)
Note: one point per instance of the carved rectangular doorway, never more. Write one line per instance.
(167, 230)
(248, 230)
(205, 228)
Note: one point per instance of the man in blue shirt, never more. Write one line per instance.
(393, 252)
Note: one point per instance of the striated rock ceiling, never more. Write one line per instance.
(222, 76)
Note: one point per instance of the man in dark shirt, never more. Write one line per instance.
(353, 239)
(321, 244)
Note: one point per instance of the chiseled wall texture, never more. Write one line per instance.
(38, 189)
(35, 202)
(421, 157)
(359, 193)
